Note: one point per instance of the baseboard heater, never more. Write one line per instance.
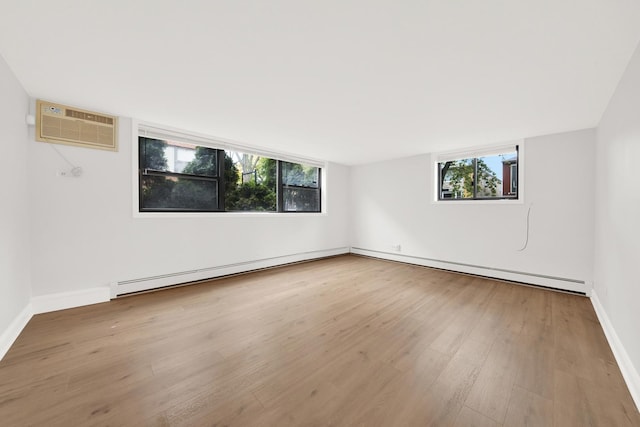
(127, 287)
(564, 284)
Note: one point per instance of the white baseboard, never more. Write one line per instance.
(629, 372)
(64, 300)
(497, 273)
(10, 334)
(143, 284)
(46, 303)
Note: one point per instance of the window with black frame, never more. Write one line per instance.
(176, 176)
(179, 177)
(299, 187)
(485, 175)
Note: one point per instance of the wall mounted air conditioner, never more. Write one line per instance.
(68, 125)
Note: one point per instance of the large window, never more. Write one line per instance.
(483, 175)
(176, 176)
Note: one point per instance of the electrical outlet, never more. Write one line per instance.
(75, 172)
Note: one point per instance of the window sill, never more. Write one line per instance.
(202, 215)
(519, 201)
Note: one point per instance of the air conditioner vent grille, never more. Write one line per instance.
(88, 116)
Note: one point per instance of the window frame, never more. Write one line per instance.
(281, 186)
(140, 128)
(475, 153)
(512, 167)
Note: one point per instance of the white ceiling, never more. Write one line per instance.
(341, 80)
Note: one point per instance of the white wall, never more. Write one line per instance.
(617, 226)
(85, 235)
(15, 290)
(392, 203)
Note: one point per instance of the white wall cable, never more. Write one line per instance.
(526, 241)
(76, 171)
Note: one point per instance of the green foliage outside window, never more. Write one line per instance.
(460, 176)
(258, 192)
(250, 181)
(491, 174)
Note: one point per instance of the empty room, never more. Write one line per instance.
(295, 213)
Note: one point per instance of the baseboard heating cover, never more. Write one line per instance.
(125, 287)
(561, 283)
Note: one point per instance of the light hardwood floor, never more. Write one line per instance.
(341, 341)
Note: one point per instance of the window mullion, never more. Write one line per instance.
(221, 180)
(475, 177)
(517, 168)
(279, 195)
(320, 190)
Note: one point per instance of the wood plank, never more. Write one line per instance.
(492, 391)
(470, 418)
(528, 409)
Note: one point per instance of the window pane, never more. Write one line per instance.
(250, 182)
(299, 199)
(178, 157)
(494, 175)
(489, 176)
(456, 179)
(152, 154)
(300, 175)
(195, 160)
(171, 193)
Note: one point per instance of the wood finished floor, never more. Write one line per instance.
(341, 341)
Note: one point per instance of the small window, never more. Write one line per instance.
(486, 175)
